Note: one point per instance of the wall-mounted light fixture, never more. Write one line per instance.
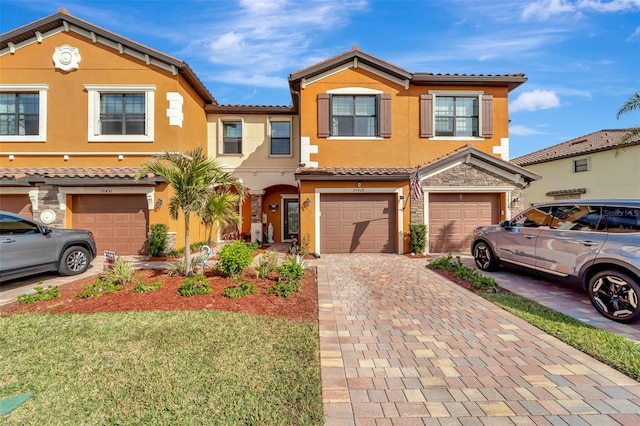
(120, 157)
(158, 204)
(274, 207)
(11, 157)
(515, 201)
(66, 157)
(307, 202)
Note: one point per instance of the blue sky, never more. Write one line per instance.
(581, 57)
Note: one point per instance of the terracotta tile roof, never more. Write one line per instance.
(68, 172)
(602, 140)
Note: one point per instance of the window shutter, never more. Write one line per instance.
(487, 116)
(323, 115)
(426, 115)
(385, 115)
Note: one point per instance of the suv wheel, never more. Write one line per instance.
(75, 260)
(483, 255)
(615, 295)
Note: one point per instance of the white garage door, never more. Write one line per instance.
(357, 223)
(119, 222)
(453, 217)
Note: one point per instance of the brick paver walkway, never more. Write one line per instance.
(400, 345)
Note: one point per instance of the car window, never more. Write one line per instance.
(13, 226)
(533, 218)
(621, 219)
(576, 217)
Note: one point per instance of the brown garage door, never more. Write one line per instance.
(118, 222)
(453, 217)
(19, 204)
(357, 223)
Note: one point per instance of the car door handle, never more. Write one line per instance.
(530, 236)
(589, 243)
(7, 241)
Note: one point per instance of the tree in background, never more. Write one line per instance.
(632, 104)
(193, 176)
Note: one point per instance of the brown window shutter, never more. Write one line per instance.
(385, 115)
(487, 116)
(323, 115)
(426, 115)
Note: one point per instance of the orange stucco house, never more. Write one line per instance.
(337, 167)
(82, 108)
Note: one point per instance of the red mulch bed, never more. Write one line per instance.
(302, 305)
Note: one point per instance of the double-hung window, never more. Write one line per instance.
(280, 138)
(23, 113)
(121, 113)
(232, 137)
(457, 116)
(354, 115)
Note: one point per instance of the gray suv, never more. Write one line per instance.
(594, 243)
(28, 247)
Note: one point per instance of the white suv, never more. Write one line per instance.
(595, 243)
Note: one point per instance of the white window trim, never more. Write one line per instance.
(93, 124)
(280, 120)
(42, 113)
(355, 91)
(466, 93)
(229, 119)
(573, 165)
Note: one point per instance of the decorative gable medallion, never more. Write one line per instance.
(66, 58)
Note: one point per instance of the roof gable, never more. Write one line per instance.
(602, 140)
(49, 26)
(469, 155)
(354, 58)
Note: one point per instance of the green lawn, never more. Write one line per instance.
(161, 368)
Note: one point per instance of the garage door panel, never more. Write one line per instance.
(366, 223)
(119, 222)
(18, 204)
(454, 216)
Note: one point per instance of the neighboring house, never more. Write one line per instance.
(367, 127)
(597, 165)
(80, 109)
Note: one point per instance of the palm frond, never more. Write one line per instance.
(633, 103)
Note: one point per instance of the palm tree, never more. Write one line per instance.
(221, 208)
(193, 176)
(633, 103)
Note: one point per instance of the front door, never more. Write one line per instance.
(291, 218)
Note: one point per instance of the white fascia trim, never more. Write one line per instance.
(354, 64)
(63, 191)
(354, 91)
(36, 39)
(468, 189)
(42, 112)
(399, 213)
(93, 109)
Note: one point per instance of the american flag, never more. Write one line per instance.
(416, 187)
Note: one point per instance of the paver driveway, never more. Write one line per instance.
(402, 345)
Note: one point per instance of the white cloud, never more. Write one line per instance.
(544, 9)
(520, 130)
(535, 100)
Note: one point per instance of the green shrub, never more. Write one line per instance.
(267, 264)
(235, 257)
(158, 240)
(99, 286)
(244, 288)
(289, 280)
(121, 273)
(417, 238)
(41, 294)
(195, 284)
(141, 287)
(464, 273)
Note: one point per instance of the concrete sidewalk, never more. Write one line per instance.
(401, 345)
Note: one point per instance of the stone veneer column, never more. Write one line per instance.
(256, 215)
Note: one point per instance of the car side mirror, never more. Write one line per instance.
(45, 230)
(505, 224)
